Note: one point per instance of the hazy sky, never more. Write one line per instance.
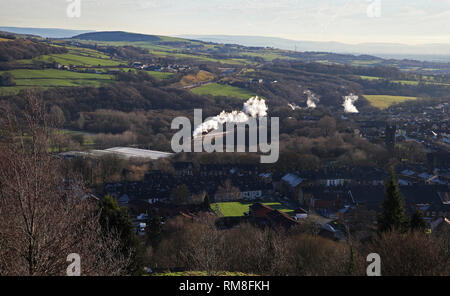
(353, 21)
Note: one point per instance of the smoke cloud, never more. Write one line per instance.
(294, 106)
(312, 99)
(253, 107)
(348, 104)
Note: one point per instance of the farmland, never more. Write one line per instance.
(427, 80)
(53, 78)
(78, 57)
(160, 75)
(384, 101)
(238, 209)
(215, 89)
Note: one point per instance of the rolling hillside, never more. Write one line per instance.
(116, 36)
(99, 59)
(233, 53)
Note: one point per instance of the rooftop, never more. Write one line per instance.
(128, 152)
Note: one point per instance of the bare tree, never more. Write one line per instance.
(44, 214)
(227, 192)
(411, 253)
(204, 251)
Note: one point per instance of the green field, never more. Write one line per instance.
(364, 62)
(54, 74)
(13, 90)
(369, 77)
(160, 75)
(200, 57)
(25, 78)
(406, 82)
(165, 50)
(79, 60)
(237, 209)
(78, 57)
(384, 101)
(215, 89)
(267, 56)
(156, 74)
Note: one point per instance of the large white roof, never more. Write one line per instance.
(128, 152)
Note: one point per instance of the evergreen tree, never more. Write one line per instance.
(206, 203)
(393, 216)
(418, 222)
(154, 228)
(114, 218)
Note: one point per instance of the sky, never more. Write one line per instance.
(349, 21)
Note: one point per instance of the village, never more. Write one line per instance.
(329, 197)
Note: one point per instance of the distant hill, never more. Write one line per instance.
(439, 52)
(257, 45)
(117, 36)
(45, 32)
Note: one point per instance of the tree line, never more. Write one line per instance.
(19, 49)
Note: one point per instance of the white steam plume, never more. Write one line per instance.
(253, 107)
(294, 106)
(348, 104)
(312, 100)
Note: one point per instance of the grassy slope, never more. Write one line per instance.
(160, 75)
(216, 89)
(78, 59)
(56, 74)
(407, 82)
(52, 78)
(384, 101)
(81, 57)
(166, 50)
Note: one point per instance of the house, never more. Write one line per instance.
(327, 231)
(266, 177)
(137, 65)
(300, 213)
(333, 230)
(335, 182)
(326, 201)
(259, 210)
(266, 216)
(436, 210)
(290, 186)
(252, 195)
(277, 218)
(142, 217)
(123, 200)
(256, 81)
(183, 168)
